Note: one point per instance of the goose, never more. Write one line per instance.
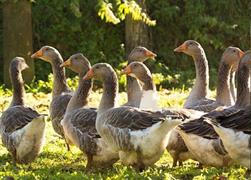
(139, 136)
(79, 120)
(61, 93)
(234, 131)
(149, 97)
(176, 145)
(229, 60)
(22, 128)
(199, 92)
(200, 133)
(149, 101)
(134, 90)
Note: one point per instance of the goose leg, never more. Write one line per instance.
(180, 163)
(68, 146)
(248, 173)
(175, 160)
(14, 158)
(89, 161)
(140, 165)
(200, 165)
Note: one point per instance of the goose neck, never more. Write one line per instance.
(59, 84)
(80, 96)
(134, 89)
(18, 87)
(223, 95)
(110, 92)
(148, 84)
(243, 96)
(201, 85)
(202, 74)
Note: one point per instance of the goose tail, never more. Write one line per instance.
(29, 140)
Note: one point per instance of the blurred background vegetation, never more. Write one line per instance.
(102, 31)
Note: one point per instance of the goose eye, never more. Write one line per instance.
(234, 50)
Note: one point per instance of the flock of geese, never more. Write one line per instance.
(214, 132)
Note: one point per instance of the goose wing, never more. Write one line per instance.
(84, 120)
(239, 120)
(132, 118)
(199, 128)
(16, 117)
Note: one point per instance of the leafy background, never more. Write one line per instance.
(76, 26)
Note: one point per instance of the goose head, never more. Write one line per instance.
(47, 53)
(77, 63)
(232, 56)
(141, 54)
(100, 71)
(18, 64)
(137, 70)
(190, 47)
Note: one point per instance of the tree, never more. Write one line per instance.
(17, 36)
(136, 31)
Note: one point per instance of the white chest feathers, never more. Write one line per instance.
(149, 100)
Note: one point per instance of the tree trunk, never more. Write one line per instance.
(136, 32)
(17, 36)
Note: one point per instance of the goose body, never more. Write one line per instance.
(139, 136)
(176, 145)
(61, 93)
(235, 133)
(79, 120)
(149, 101)
(22, 128)
(200, 133)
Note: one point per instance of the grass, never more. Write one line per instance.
(56, 163)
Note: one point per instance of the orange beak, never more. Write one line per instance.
(127, 70)
(88, 75)
(67, 63)
(150, 54)
(241, 53)
(37, 54)
(181, 48)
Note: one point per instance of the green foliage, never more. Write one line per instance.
(215, 24)
(58, 23)
(124, 8)
(75, 26)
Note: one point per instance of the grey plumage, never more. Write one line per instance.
(18, 123)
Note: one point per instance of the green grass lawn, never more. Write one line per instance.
(56, 163)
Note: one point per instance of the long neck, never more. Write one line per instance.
(148, 84)
(134, 90)
(59, 84)
(243, 96)
(200, 88)
(110, 92)
(223, 95)
(80, 96)
(18, 88)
